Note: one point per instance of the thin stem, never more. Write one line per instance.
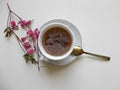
(29, 27)
(37, 48)
(16, 15)
(19, 41)
(13, 12)
(8, 19)
(9, 7)
(20, 45)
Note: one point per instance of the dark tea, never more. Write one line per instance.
(56, 41)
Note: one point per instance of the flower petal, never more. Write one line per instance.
(26, 45)
(30, 51)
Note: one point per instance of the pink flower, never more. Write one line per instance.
(30, 34)
(28, 23)
(26, 45)
(13, 25)
(25, 23)
(36, 32)
(30, 51)
(23, 39)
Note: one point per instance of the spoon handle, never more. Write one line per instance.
(97, 55)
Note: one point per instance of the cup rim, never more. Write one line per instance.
(42, 50)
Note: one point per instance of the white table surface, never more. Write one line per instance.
(99, 25)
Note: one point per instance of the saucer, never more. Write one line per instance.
(78, 42)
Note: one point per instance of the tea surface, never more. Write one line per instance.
(56, 41)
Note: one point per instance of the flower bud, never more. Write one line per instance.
(36, 32)
(30, 51)
(26, 45)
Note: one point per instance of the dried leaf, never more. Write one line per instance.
(6, 29)
(28, 58)
(8, 34)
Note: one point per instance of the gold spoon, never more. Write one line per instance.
(78, 51)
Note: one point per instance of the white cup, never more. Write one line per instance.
(43, 29)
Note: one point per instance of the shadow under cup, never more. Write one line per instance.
(47, 55)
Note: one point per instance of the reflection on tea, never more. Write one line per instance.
(56, 41)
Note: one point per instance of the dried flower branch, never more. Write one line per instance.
(28, 43)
